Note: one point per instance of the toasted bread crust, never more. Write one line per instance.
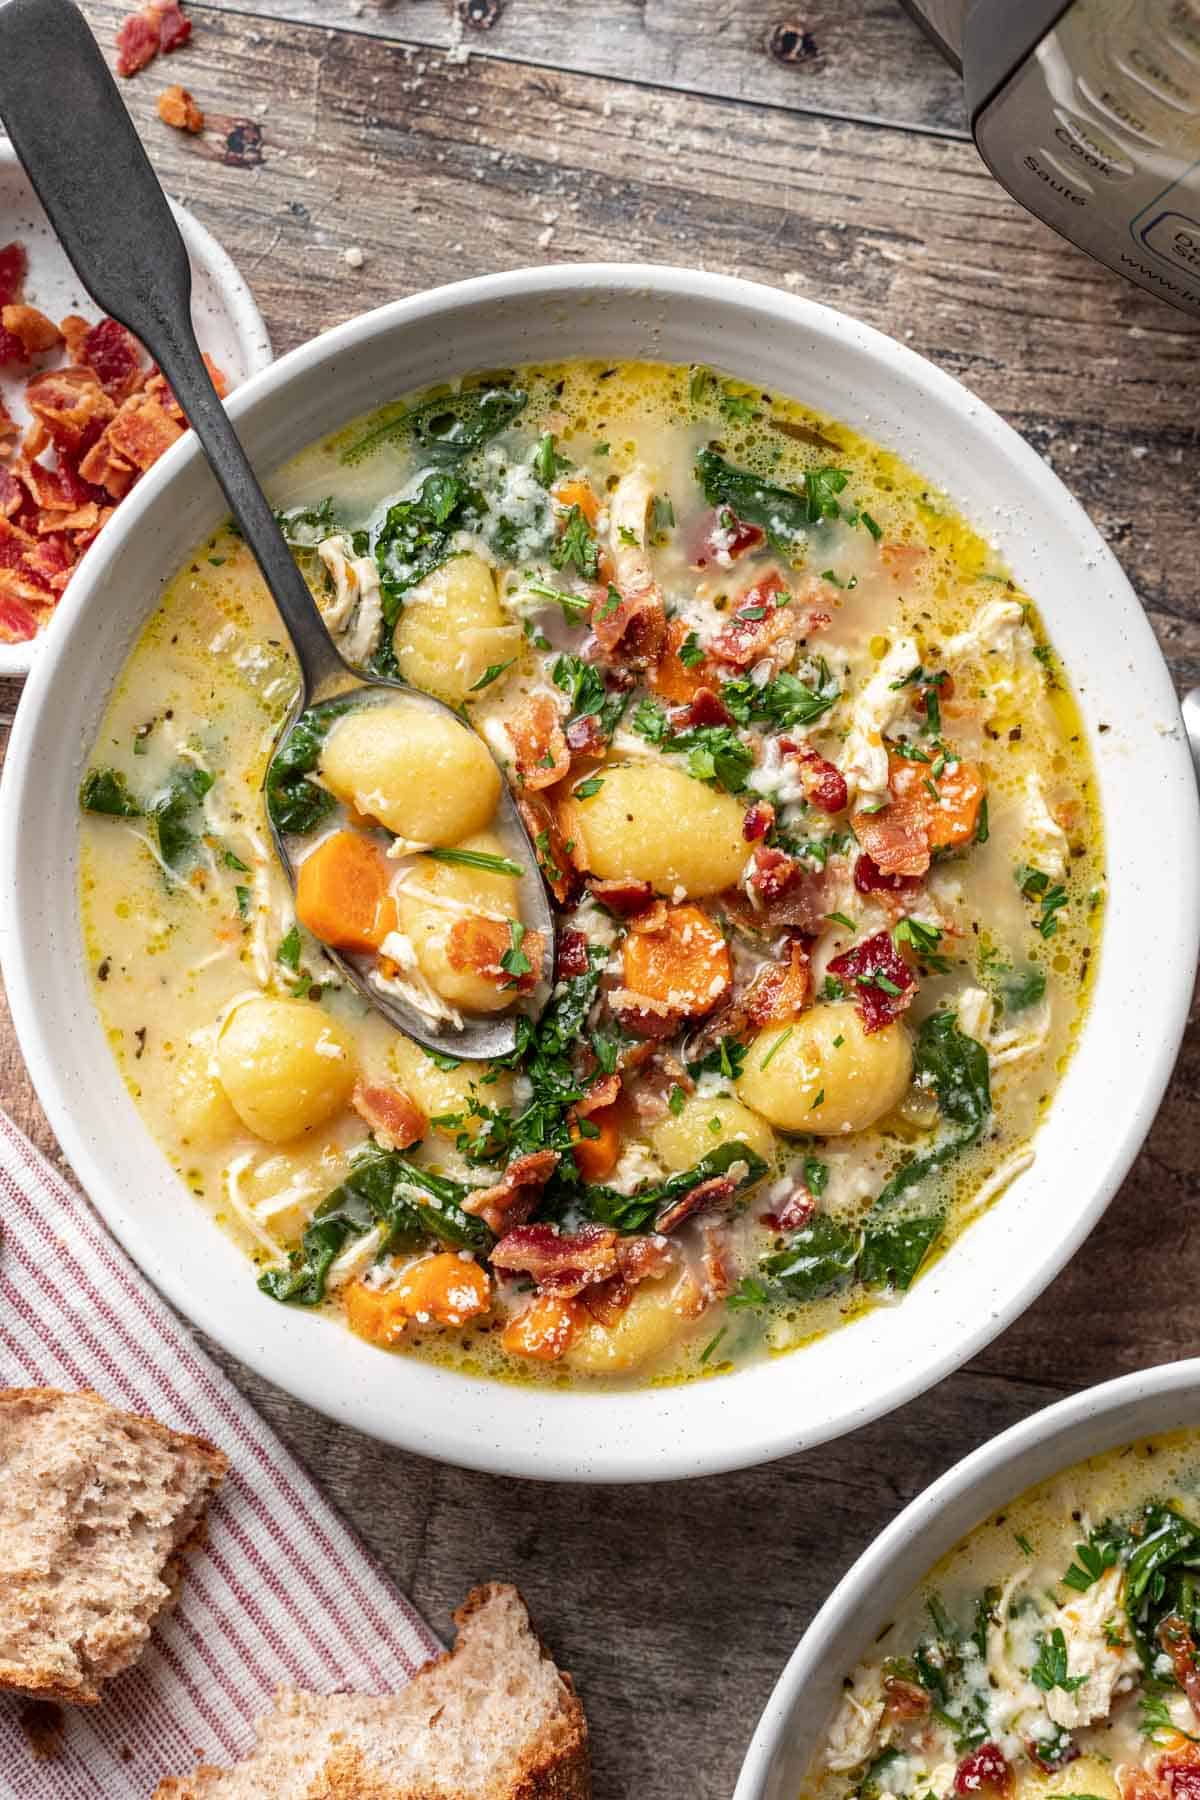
(40, 1683)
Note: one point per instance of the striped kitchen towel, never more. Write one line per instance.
(282, 1592)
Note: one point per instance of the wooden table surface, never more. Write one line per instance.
(823, 151)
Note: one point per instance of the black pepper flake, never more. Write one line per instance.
(104, 969)
(140, 1040)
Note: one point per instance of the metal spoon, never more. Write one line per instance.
(79, 148)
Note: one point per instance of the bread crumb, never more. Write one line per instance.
(354, 257)
(177, 108)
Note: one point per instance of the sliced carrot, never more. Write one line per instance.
(596, 1156)
(341, 893)
(377, 1314)
(672, 678)
(684, 965)
(581, 494)
(544, 1330)
(955, 815)
(446, 1289)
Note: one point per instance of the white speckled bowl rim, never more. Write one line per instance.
(1111, 1089)
(228, 322)
(789, 1732)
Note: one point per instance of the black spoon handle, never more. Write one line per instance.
(78, 144)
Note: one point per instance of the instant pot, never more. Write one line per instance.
(1089, 114)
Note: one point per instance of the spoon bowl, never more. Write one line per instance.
(105, 203)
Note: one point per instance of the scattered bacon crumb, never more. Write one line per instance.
(174, 29)
(627, 898)
(824, 784)
(630, 629)
(396, 1121)
(571, 957)
(983, 1771)
(722, 542)
(478, 944)
(560, 1263)
(539, 742)
(793, 1212)
(671, 678)
(510, 1201)
(904, 1699)
(782, 894)
(706, 708)
(863, 966)
(759, 821)
(32, 328)
(706, 1196)
(869, 878)
(585, 736)
(541, 822)
(159, 26)
(13, 263)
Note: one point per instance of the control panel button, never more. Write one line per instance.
(1181, 28)
(1065, 184)
(1085, 144)
(1176, 238)
(1118, 104)
(1159, 73)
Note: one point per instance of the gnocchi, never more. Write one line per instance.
(824, 1073)
(650, 822)
(285, 1065)
(443, 908)
(681, 1138)
(429, 780)
(453, 629)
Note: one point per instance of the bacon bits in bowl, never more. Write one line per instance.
(795, 659)
(83, 414)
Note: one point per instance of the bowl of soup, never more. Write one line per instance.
(1026, 1628)
(855, 777)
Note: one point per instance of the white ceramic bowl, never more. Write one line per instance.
(1098, 1419)
(1112, 1087)
(224, 311)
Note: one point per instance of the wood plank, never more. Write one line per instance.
(674, 1615)
(865, 60)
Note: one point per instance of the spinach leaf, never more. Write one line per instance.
(382, 1188)
(784, 514)
(1018, 989)
(633, 1212)
(417, 537)
(819, 1259)
(1162, 1578)
(295, 803)
(306, 526)
(446, 427)
(173, 813)
(106, 791)
(898, 1234)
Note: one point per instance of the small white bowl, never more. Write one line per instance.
(227, 320)
(1101, 1418)
(1111, 1089)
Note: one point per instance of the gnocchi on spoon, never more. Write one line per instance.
(410, 779)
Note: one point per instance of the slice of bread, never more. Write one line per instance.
(95, 1507)
(491, 1720)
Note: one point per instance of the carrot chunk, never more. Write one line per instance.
(684, 964)
(544, 1330)
(445, 1289)
(926, 813)
(671, 678)
(955, 816)
(341, 893)
(596, 1156)
(581, 494)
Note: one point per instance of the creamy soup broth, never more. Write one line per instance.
(809, 781)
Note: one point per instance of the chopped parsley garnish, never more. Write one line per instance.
(548, 465)
(1050, 1669)
(587, 788)
(490, 674)
(691, 651)
(780, 1041)
(715, 753)
(725, 1058)
(577, 545)
(288, 952)
(1036, 885)
(574, 605)
(514, 962)
(1091, 1561)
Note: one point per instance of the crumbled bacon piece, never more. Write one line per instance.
(674, 680)
(12, 350)
(824, 784)
(1179, 1773)
(759, 821)
(716, 1264)
(72, 406)
(138, 39)
(782, 895)
(571, 955)
(625, 898)
(882, 982)
(774, 872)
(654, 918)
(869, 878)
(779, 992)
(142, 430)
(585, 736)
(638, 1259)
(794, 1211)
(51, 560)
(706, 1196)
(511, 1199)
(763, 615)
(722, 536)
(112, 352)
(904, 1699)
(560, 1263)
(13, 263)
(32, 328)
(983, 1771)
(541, 822)
(705, 708)
(396, 1121)
(630, 628)
(17, 623)
(604, 1091)
(539, 742)
(1175, 1637)
(174, 29)
(659, 1073)
(480, 944)
(177, 108)
(641, 1016)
